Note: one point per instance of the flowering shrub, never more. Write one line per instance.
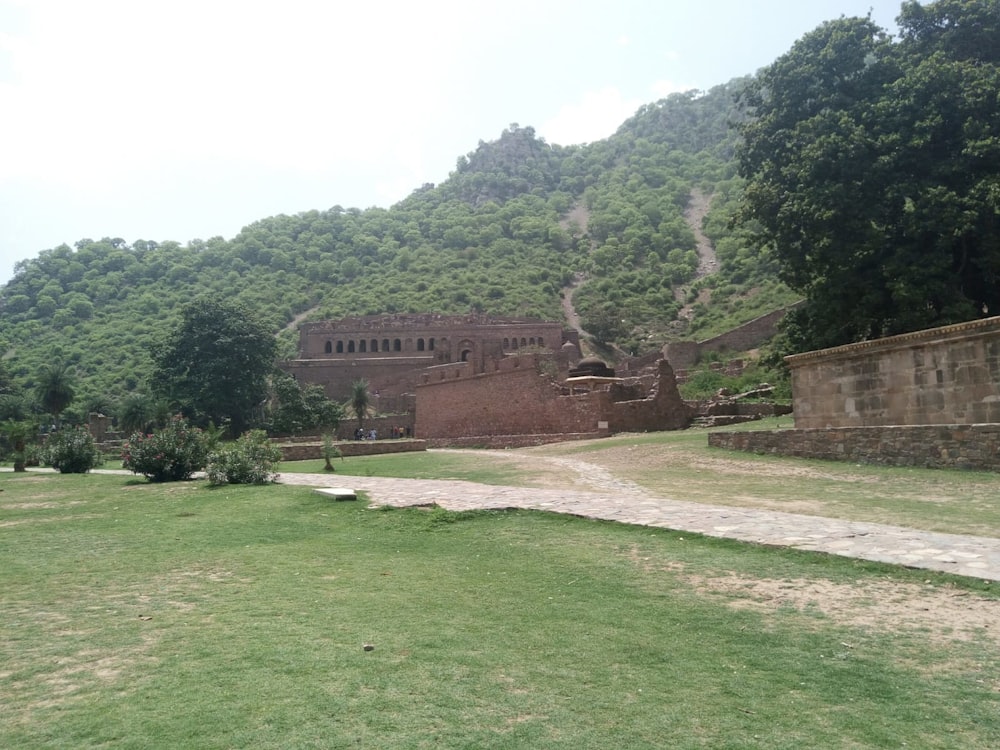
(250, 460)
(71, 451)
(170, 454)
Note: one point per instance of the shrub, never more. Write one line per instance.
(71, 451)
(250, 460)
(172, 453)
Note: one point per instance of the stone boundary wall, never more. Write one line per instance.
(951, 446)
(302, 451)
(684, 355)
(936, 376)
(749, 335)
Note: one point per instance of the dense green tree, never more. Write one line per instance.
(215, 363)
(296, 409)
(871, 169)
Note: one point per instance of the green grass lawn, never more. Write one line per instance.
(181, 616)
(472, 466)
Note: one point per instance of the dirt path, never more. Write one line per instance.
(572, 318)
(694, 215)
(294, 323)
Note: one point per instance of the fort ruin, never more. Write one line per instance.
(479, 378)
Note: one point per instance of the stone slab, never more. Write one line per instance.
(338, 493)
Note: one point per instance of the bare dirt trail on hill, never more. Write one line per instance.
(694, 215)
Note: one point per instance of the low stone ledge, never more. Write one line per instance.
(338, 493)
(973, 447)
(348, 448)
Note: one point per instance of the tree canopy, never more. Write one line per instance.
(871, 169)
(214, 365)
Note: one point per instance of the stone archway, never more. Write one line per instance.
(466, 348)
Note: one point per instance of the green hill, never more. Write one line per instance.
(512, 228)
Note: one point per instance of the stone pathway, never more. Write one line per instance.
(621, 501)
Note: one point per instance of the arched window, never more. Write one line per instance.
(350, 347)
(420, 345)
(340, 347)
(531, 341)
(328, 347)
(540, 341)
(432, 345)
(374, 345)
(506, 343)
(363, 346)
(385, 345)
(465, 355)
(523, 342)
(397, 345)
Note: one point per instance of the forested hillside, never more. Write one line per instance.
(515, 224)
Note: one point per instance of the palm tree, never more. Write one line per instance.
(55, 389)
(135, 413)
(17, 433)
(360, 400)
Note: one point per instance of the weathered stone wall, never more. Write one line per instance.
(301, 451)
(514, 398)
(932, 446)
(938, 376)
(518, 396)
(747, 336)
(682, 354)
(685, 354)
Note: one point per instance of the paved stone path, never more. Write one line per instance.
(622, 501)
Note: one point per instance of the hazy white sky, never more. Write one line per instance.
(184, 119)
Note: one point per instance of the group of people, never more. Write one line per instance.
(397, 432)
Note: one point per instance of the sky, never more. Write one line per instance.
(190, 119)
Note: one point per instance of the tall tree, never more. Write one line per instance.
(214, 365)
(56, 389)
(871, 171)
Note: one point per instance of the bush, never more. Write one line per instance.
(170, 454)
(71, 451)
(250, 460)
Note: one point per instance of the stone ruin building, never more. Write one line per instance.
(482, 379)
(389, 351)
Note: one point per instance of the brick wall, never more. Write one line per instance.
(933, 446)
(518, 396)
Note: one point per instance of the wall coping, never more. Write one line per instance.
(983, 325)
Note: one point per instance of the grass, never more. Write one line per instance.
(177, 615)
(471, 466)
